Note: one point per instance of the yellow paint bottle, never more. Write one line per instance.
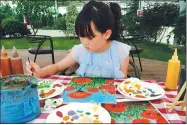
(173, 72)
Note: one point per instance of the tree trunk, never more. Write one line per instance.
(155, 37)
(164, 31)
(35, 30)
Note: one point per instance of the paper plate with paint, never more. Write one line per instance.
(136, 89)
(49, 88)
(79, 113)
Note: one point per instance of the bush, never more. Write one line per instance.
(130, 21)
(154, 20)
(47, 20)
(157, 16)
(71, 16)
(44, 20)
(14, 28)
(50, 20)
(6, 11)
(180, 29)
(59, 15)
(60, 23)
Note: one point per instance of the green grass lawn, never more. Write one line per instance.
(59, 43)
(162, 52)
(153, 51)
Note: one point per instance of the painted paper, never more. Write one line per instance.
(96, 90)
(134, 112)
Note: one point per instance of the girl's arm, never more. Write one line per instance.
(124, 66)
(53, 68)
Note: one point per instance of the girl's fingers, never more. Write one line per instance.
(28, 65)
(33, 65)
(32, 68)
(28, 71)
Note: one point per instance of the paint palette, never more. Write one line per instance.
(135, 89)
(79, 113)
(49, 88)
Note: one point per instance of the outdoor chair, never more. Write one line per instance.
(41, 49)
(132, 40)
(135, 72)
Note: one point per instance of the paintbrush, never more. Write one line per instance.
(31, 67)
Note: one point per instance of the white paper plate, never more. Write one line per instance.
(139, 90)
(79, 113)
(58, 90)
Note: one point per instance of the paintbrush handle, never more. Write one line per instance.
(184, 102)
(177, 98)
(31, 67)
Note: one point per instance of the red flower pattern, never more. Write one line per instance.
(119, 107)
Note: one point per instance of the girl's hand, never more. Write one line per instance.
(33, 68)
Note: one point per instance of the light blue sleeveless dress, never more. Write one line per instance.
(105, 64)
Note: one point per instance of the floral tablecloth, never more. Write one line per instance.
(176, 116)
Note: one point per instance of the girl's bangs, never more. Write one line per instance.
(84, 30)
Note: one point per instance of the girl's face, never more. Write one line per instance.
(98, 43)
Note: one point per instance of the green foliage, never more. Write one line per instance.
(154, 18)
(34, 10)
(59, 15)
(47, 20)
(130, 21)
(60, 22)
(71, 16)
(157, 16)
(6, 12)
(161, 15)
(13, 27)
(50, 20)
(180, 29)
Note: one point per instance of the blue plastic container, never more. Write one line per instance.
(19, 105)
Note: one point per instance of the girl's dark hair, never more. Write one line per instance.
(103, 16)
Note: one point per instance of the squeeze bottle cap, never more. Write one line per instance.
(3, 52)
(175, 57)
(14, 53)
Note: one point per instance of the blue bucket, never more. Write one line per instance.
(19, 99)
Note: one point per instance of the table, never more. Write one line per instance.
(176, 116)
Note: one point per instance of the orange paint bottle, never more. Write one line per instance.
(5, 63)
(16, 62)
(173, 72)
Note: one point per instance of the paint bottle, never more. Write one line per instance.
(173, 72)
(5, 63)
(16, 62)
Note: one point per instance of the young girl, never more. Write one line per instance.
(99, 54)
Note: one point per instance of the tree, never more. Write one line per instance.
(6, 12)
(71, 16)
(157, 16)
(60, 22)
(34, 11)
(180, 29)
(130, 21)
